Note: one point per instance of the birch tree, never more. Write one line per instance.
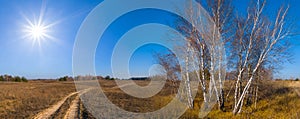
(261, 41)
(203, 49)
(221, 14)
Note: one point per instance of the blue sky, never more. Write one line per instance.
(53, 58)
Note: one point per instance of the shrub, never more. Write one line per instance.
(1, 78)
(13, 79)
(17, 79)
(63, 78)
(296, 79)
(107, 78)
(23, 79)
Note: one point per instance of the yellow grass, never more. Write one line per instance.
(277, 99)
(24, 100)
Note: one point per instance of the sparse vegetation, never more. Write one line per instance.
(65, 78)
(9, 78)
(1, 78)
(109, 78)
(24, 100)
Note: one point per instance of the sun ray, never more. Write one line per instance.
(36, 30)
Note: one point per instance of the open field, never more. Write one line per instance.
(24, 100)
(277, 99)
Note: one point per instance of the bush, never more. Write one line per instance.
(23, 79)
(1, 78)
(63, 78)
(107, 78)
(17, 79)
(13, 79)
(296, 79)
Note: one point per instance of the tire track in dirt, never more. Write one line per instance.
(71, 112)
(48, 112)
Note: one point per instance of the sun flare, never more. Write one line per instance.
(37, 29)
(37, 32)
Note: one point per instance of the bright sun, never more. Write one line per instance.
(37, 28)
(37, 32)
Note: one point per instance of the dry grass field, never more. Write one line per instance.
(277, 99)
(24, 100)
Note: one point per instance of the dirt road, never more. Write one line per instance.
(50, 111)
(70, 113)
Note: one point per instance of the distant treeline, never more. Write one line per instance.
(139, 78)
(12, 78)
(65, 78)
(88, 77)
